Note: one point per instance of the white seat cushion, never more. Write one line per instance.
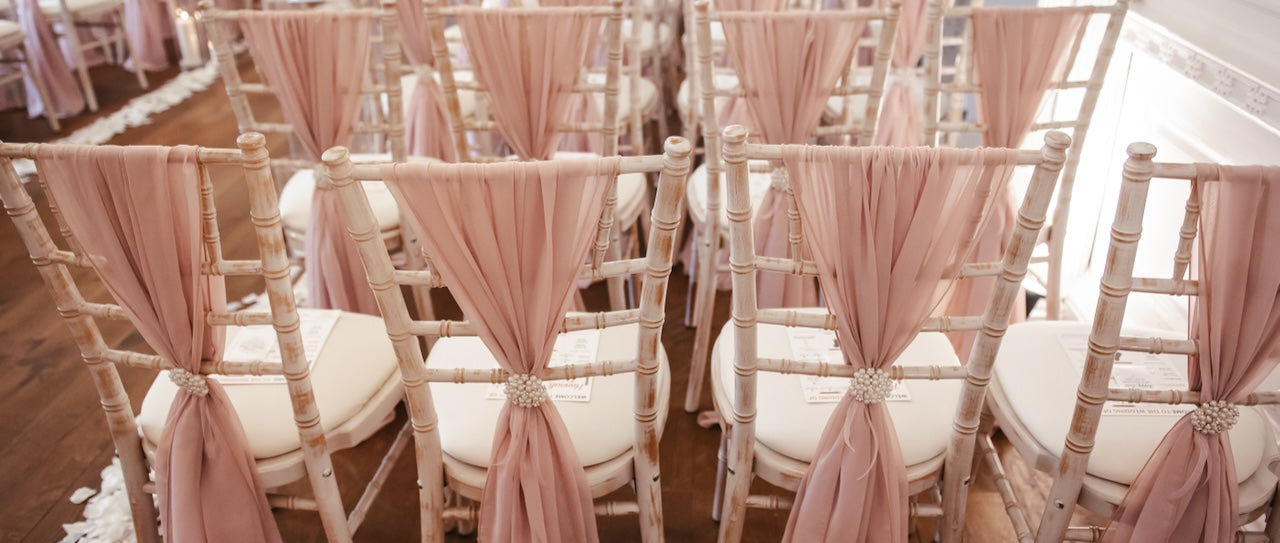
(789, 425)
(356, 363)
(295, 199)
(1037, 383)
(10, 33)
(77, 7)
(649, 35)
(601, 429)
(685, 102)
(646, 96)
(631, 191)
(466, 98)
(696, 193)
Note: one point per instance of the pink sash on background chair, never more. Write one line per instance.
(509, 240)
(427, 123)
(134, 210)
(529, 60)
(1019, 53)
(1187, 491)
(788, 65)
(886, 226)
(148, 22)
(900, 115)
(46, 57)
(314, 62)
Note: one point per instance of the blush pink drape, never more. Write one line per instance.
(509, 240)
(900, 122)
(1019, 53)
(529, 61)
(1187, 491)
(54, 71)
(787, 64)
(426, 127)
(134, 212)
(149, 23)
(885, 225)
(314, 62)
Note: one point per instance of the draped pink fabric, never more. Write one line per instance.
(135, 211)
(885, 225)
(1019, 53)
(529, 61)
(46, 57)
(900, 122)
(509, 240)
(787, 64)
(314, 61)
(426, 127)
(148, 22)
(1187, 491)
(751, 5)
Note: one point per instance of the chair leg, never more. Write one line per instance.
(82, 66)
(689, 308)
(722, 458)
(29, 72)
(737, 484)
(617, 286)
(131, 48)
(704, 313)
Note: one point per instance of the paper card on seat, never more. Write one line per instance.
(1138, 370)
(577, 348)
(817, 345)
(259, 343)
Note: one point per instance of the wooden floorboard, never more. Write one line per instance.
(53, 436)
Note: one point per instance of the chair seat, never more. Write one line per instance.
(1033, 391)
(652, 35)
(601, 429)
(10, 34)
(788, 427)
(696, 193)
(78, 8)
(685, 102)
(356, 382)
(631, 191)
(646, 96)
(295, 199)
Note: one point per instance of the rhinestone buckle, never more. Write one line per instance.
(190, 382)
(525, 390)
(870, 385)
(1214, 417)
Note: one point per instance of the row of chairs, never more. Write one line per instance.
(883, 257)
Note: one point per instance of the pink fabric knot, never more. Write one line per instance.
(1214, 417)
(778, 179)
(190, 382)
(525, 390)
(870, 385)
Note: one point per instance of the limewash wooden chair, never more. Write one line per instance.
(509, 239)
(889, 229)
(111, 206)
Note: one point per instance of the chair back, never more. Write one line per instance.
(1223, 261)
(65, 265)
(963, 184)
(457, 187)
(530, 105)
(1068, 49)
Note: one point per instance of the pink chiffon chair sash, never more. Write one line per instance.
(427, 124)
(1019, 53)
(900, 115)
(509, 240)
(529, 60)
(46, 57)
(1187, 491)
(314, 62)
(886, 226)
(149, 23)
(787, 65)
(134, 210)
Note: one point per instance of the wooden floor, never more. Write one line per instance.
(53, 437)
